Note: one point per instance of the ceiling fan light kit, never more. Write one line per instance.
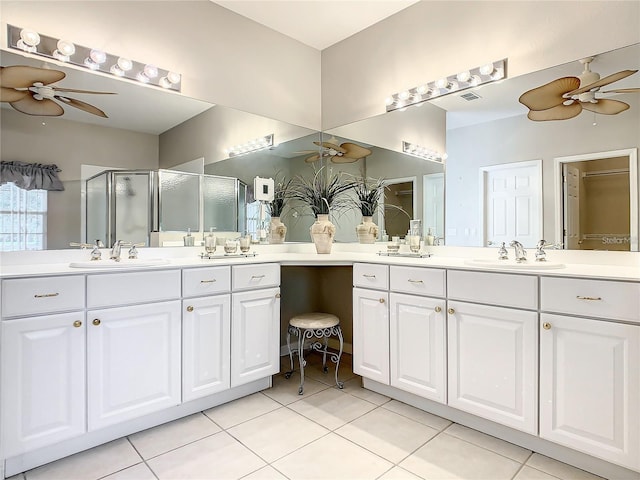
(63, 50)
(251, 146)
(487, 73)
(423, 152)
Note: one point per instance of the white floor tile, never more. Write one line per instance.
(418, 415)
(494, 444)
(154, 441)
(219, 456)
(241, 410)
(332, 408)
(354, 387)
(559, 469)
(387, 434)
(332, 457)
(265, 473)
(277, 433)
(285, 391)
(447, 457)
(528, 473)
(89, 465)
(137, 472)
(397, 473)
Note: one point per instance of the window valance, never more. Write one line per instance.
(31, 176)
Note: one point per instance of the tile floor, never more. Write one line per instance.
(325, 433)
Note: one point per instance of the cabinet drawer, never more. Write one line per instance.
(247, 277)
(421, 281)
(593, 298)
(206, 281)
(503, 289)
(26, 296)
(110, 290)
(368, 275)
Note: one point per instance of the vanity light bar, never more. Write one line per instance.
(251, 146)
(35, 43)
(423, 152)
(487, 73)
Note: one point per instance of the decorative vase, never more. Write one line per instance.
(277, 231)
(322, 233)
(367, 231)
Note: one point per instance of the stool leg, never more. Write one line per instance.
(288, 374)
(301, 337)
(325, 369)
(339, 332)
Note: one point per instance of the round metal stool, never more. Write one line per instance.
(314, 326)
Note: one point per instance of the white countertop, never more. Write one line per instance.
(594, 265)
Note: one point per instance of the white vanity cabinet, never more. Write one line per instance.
(371, 321)
(589, 375)
(493, 350)
(417, 347)
(255, 322)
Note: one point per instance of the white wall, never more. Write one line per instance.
(224, 58)
(432, 39)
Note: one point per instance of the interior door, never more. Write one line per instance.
(433, 208)
(571, 205)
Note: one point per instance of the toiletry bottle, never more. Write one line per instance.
(188, 239)
(430, 237)
(384, 237)
(210, 242)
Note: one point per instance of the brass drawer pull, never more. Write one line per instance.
(451, 311)
(77, 323)
(414, 281)
(258, 277)
(365, 275)
(438, 309)
(189, 308)
(96, 322)
(546, 326)
(46, 295)
(382, 300)
(277, 295)
(208, 281)
(579, 297)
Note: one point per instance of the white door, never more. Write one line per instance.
(133, 361)
(43, 381)
(418, 345)
(513, 203)
(493, 359)
(206, 337)
(590, 387)
(255, 335)
(433, 204)
(371, 334)
(571, 203)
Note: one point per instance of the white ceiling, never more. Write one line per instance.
(317, 23)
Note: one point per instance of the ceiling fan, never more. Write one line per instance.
(338, 153)
(29, 90)
(566, 97)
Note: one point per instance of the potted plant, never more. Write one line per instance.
(367, 199)
(323, 193)
(275, 208)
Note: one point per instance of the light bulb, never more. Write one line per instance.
(453, 85)
(403, 95)
(164, 82)
(125, 64)
(141, 77)
(475, 80)
(91, 64)
(486, 69)
(116, 70)
(174, 77)
(464, 76)
(497, 74)
(422, 89)
(66, 48)
(151, 71)
(98, 56)
(29, 39)
(389, 101)
(442, 83)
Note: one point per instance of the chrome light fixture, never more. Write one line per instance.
(487, 73)
(423, 152)
(251, 146)
(63, 50)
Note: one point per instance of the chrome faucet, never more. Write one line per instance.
(521, 254)
(502, 253)
(115, 250)
(541, 254)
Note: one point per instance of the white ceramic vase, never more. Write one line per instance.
(322, 233)
(367, 231)
(277, 231)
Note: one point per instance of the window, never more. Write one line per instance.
(23, 218)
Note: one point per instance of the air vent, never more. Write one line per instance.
(469, 96)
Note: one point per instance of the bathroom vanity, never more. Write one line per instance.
(544, 358)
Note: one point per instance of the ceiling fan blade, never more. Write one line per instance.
(73, 90)
(606, 106)
(81, 105)
(21, 76)
(623, 90)
(305, 152)
(560, 112)
(603, 81)
(31, 106)
(550, 94)
(355, 151)
(331, 146)
(343, 159)
(312, 158)
(12, 95)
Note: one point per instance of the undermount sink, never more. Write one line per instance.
(528, 265)
(123, 263)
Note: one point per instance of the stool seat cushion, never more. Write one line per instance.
(314, 320)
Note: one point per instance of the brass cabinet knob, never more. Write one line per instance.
(96, 322)
(451, 311)
(382, 300)
(546, 326)
(438, 309)
(189, 308)
(277, 295)
(77, 323)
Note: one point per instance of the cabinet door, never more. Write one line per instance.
(43, 381)
(133, 361)
(371, 334)
(206, 324)
(590, 387)
(255, 335)
(418, 345)
(493, 359)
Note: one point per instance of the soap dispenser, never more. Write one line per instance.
(210, 242)
(188, 239)
(430, 238)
